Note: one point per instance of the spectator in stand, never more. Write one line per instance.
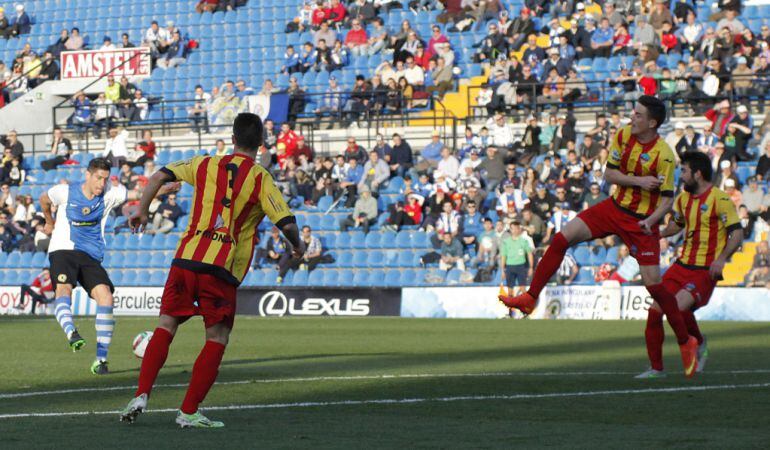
(448, 164)
(165, 217)
(331, 100)
(378, 39)
(520, 28)
(512, 201)
(81, 118)
(107, 44)
(276, 251)
(206, 6)
(155, 38)
(61, 149)
(763, 164)
(452, 253)
(145, 149)
(74, 41)
(364, 212)
(175, 54)
(5, 27)
(355, 151)
(115, 148)
(492, 46)
(312, 256)
(358, 102)
(516, 257)
(325, 34)
(20, 23)
(357, 40)
(375, 173)
(125, 41)
(291, 61)
(602, 39)
(471, 225)
(441, 76)
(198, 113)
(307, 57)
(12, 142)
(501, 132)
(289, 138)
(40, 291)
(400, 159)
(19, 84)
(127, 109)
(644, 35)
(349, 184)
(104, 114)
(13, 173)
(49, 70)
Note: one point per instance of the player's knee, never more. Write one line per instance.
(64, 290)
(219, 333)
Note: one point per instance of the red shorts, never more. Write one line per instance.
(697, 282)
(189, 293)
(606, 218)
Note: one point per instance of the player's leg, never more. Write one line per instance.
(206, 367)
(695, 294)
(688, 345)
(654, 335)
(156, 353)
(64, 274)
(574, 232)
(105, 326)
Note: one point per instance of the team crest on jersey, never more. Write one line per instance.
(645, 157)
(723, 217)
(86, 210)
(704, 208)
(689, 286)
(615, 154)
(633, 250)
(62, 278)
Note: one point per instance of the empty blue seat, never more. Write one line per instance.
(585, 276)
(361, 278)
(582, 255)
(342, 241)
(325, 202)
(330, 277)
(157, 278)
(361, 259)
(315, 278)
(300, 278)
(357, 239)
(329, 223)
(420, 239)
(598, 254)
(376, 259)
(345, 278)
(393, 278)
(372, 240)
(345, 259)
(129, 277)
(405, 258)
(612, 256)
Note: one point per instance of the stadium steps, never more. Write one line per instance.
(735, 271)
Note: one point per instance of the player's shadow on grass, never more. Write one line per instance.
(237, 362)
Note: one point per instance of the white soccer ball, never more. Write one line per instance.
(140, 343)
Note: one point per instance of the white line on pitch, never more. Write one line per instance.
(361, 378)
(397, 401)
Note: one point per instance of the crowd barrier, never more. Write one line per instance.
(606, 302)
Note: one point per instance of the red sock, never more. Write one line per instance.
(692, 325)
(204, 374)
(548, 264)
(154, 358)
(653, 336)
(668, 304)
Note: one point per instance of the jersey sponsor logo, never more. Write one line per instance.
(215, 235)
(275, 303)
(82, 223)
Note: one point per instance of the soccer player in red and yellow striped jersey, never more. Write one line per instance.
(712, 234)
(232, 194)
(641, 165)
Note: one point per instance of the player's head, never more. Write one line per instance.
(97, 175)
(248, 132)
(696, 170)
(649, 114)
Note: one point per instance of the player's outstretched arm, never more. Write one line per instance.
(45, 206)
(671, 229)
(733, 242)
(615, 176)
(141, 216)
(291, 232)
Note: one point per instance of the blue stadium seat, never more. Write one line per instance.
(253, 278)
(373, 240)
(585, 276)
(315, 278)
(300, 278)
(612, 256)
(405, 258)
(361, 278)
(345, 259)
(25, 260)
(404, 239)
(129, 277)
(329, 223)
(598, 254)
(342, 241)
(409, 277)
(13, 259)
(329, 240)
(345, 278)
(361, 259)
(331, 276)
(390, 258)
(157, 278)
(116, 276)
(325, 202)
(582, 255)
(421, 240)
(357, 239)
(393, 278)
(377, 277)
(376, 259)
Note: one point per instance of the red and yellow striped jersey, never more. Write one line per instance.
(707, 220)
(232, 196)
(632, 158)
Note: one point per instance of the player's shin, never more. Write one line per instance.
(154, 357)
(204, 374)
(668, 304)
(105, 324)
(654, 336)
(692, 325)
(63, 311)
(548, 264)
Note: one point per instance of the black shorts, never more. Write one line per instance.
(74, 266)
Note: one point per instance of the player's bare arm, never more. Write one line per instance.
(615, 176)
(663, 208)
(733, 242)
(45, 206)
(154, 185)
(671, 229)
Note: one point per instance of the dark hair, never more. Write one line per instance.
(306, 228)
(248, 131)
(698, 162)
(75, 29)
(99, 164)
(655, 108)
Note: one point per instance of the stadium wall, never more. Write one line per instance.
(608, 302)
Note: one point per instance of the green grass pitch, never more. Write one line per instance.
(454, 383)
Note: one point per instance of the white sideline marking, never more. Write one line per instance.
(360, 377)
(397, 401)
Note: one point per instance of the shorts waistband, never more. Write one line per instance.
(691, 267)
(628, 211)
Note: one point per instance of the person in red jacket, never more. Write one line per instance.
(336, 13)
(356, 39)
(289, 138)
(41, 290)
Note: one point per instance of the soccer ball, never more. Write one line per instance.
(140, 343)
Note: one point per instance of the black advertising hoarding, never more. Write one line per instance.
(358, 302)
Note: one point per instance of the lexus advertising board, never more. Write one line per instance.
(319, 302)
